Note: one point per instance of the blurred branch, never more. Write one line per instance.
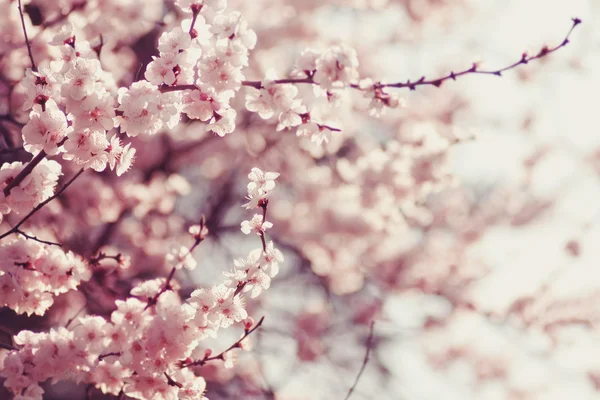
(8, 347)
(33, 66)
(365, 361)
(20, 232)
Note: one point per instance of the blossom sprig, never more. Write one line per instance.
(337, 68)
(248, 329)
(260, 187)
(255, 272)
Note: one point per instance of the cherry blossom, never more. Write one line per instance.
(146, 283)
(46, 129)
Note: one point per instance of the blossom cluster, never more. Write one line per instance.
(37, 187)
(32, 274)
(205, 55)
(72, 108)
(152, 337)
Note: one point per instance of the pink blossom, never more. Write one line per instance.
(46, 129)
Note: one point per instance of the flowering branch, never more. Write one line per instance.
(259, 85)
(221, 356)
(33, 66)
(434, 82)
(365, 361)
(112, 353)
(41, 205)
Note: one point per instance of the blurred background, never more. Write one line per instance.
(464, 224)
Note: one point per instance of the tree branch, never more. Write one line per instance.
(8, 347)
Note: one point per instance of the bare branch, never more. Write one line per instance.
(473, 70)
(33, 66)
(20, 232)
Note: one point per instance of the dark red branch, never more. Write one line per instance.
(473, 69)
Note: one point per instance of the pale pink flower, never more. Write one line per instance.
(223, 122)
(96, 111)
(174, 41)
(32, 392)
(181, 257)
(45, 129)
(193, 390)
(87, 148)
(261, 180)
(110, 377)
(41, 86)
(256, 224)
(336, 67)
(228, 309)
(200, 105)
(81, 79)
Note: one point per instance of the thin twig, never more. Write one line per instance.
(41, 205)
(221, 356)
(20, 232)
(33, 66)
(365, 361)
(154, 299)
(473, 70)
(111, 354)
(198, 239)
